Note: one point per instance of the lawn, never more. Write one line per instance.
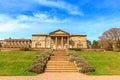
(105, 63)
(14, 63)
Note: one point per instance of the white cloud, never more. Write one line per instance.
(62, 5)
(96, 27)
(38, 17)
(7, 23)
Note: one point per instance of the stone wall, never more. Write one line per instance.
(96, 50)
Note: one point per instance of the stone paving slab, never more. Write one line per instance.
(61, 76)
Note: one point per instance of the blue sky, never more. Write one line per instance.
(22, 18)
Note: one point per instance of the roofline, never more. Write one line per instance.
(17, 39)
(39, 34)
(77, 35)
(59, 30)
(49, 35)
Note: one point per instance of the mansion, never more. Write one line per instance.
(58, 39)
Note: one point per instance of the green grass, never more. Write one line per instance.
(105, 63)
(14, 63)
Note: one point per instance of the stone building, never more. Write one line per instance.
(59, 39)
(15, 43)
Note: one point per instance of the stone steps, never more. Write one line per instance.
(61, 68)
(60, 58)
(53, 66)
(59, 63)
(61, 71)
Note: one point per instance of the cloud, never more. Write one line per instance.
(8, 23)
(94, 28)
(40, 17)
(72, 9)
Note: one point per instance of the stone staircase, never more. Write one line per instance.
(59, 63)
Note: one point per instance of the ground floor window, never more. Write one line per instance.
(38, 45)
(79, 46)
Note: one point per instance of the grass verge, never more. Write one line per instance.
(105, 63)
(15, 63)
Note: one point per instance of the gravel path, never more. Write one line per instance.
(61, 76)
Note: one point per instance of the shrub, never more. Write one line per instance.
(87, 69)
(39, 63)
(72, 52)
(24, 49)
(81, 63)
(71, 59)
(117, 50)
(109, 49)
(75, 49)
(37, 68)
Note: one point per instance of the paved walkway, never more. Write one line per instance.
(61, 76)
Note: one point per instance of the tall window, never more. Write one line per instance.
(79, 39)
(38, 45)
(48, 42)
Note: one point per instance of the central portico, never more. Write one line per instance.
(59, 39)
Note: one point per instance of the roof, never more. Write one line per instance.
(59, 30)
(77, 35)
(57, 33)
(39, 34)
(17, 39)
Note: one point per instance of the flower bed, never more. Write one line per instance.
(39, 63)
(81, 64)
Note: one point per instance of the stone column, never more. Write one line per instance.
(46, 41)
(68, 42)
(50, 41)
(62, 42)
(56, 42)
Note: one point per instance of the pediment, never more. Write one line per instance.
(59, 32)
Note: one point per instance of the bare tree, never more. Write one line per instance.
(111, 38)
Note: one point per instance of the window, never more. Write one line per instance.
(79, 46)
(48, 39)
(79, 39)
(38, 45)
(39, 39)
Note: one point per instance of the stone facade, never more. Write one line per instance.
(59, 39)
(15, 43)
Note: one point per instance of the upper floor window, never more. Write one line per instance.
(39, 39)
(79, 39)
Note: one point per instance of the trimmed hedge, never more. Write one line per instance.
(81, 64)
(76, 49)
(25, 49)
(39, 63)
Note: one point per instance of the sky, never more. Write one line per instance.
(22, 18)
